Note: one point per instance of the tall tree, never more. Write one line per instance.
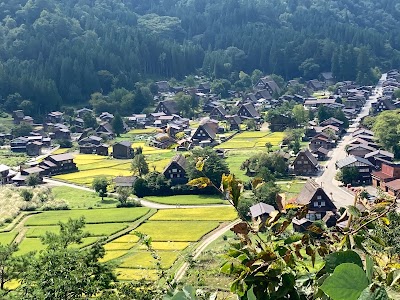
(139, 165)
(117, 124)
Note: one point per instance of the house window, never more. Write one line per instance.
(305, 162)
(318, 216)
(319, 197)
(299, 162)
(319, 204)
(174, 170)
(310, 217)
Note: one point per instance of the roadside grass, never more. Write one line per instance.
(145, 260)
(107, 215)
(135, 274)
(187, 199)
(6, 238)
(221, 213)
(176, 231)
(78, 199)
(292, 188)
(93, 229)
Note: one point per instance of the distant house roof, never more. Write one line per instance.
(322, 150)
(364, 146)
(380, 153)
(124, 181)
(393, 185)
(171, 106)
(220, 109)
(61, 157)
(210, 131)
(124, 143)
(310, 157)
(251, 110)
(260, 209)
(179, 159)
(352, 159)
(4, 168)
(331, 121)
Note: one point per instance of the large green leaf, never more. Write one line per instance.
(354, 211)
(293, 239)
(374, 294)
(346, 283)
(369, 268)
(251, 295)
(337, 258)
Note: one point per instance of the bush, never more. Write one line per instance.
(244, 208)
(129, 204)
(26, 194)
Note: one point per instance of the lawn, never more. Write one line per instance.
(78, 199)
(292, 188)
(221, 213)
(7, 237)
(144, 259)
(105, 229)
(136, 274)
(187, 199)
(107, 215)
(176, 231)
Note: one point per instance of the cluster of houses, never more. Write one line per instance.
(388, 100)
(51, 165)
(322, 139)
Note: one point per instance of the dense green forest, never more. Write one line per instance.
(59, 52)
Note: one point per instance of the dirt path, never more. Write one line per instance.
(202, 246)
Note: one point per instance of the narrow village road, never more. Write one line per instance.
(340, 196)
(202, 246)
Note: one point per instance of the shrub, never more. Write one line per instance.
(26, 194)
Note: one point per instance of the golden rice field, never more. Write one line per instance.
(135, 274)
(144, 260)
(220, 213)
(253, 140)
(91, 166)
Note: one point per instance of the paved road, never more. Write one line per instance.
(327, 179)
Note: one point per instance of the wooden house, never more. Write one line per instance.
(168, 107)
(204, 134)
(102, 149)
(360, 150)
(383, 104)
(55, 117)
(176, 170)
(261, 211)
(248, 111)
(364, 166)
(124, 181)
(123, 150)
(83, 111)
(106, 129)
(18, 116)
(321, 153)
(320, 207)
(218, 113)
(106, 116)
(305, 163)
(6, 174)
(269, 84)
(19, 144)
(378, 156)
(34, 148)
(58, 164)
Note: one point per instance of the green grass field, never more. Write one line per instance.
(253, 140)
(7, 237)
(79, 199)
(145, 260)
(107, 215)
(118, 246)
(223, 213)
(176, 231)
(188, 199)
(94, 229)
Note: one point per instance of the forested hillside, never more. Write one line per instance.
(57, 52)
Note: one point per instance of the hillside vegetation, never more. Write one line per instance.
(60, 52)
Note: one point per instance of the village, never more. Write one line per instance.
(65, 152)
